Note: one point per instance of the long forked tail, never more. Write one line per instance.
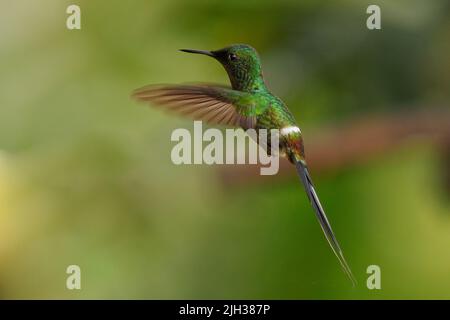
(320, 214)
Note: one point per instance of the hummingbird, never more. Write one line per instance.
(248, 103)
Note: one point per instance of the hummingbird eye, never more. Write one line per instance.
(232, 57)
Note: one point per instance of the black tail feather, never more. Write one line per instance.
(320, 214)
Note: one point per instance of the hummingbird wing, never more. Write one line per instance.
(210, 103)
(321, 216)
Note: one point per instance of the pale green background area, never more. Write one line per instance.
(86, 176)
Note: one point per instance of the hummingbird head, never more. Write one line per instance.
(242, 64)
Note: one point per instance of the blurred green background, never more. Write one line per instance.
(86, 176)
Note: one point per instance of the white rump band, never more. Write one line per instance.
(288, 130)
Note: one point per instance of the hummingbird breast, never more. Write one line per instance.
(277, 116)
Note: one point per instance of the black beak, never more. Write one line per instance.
(208, 53)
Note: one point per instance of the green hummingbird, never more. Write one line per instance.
(247, 104)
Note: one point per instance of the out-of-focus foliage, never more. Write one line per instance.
(86, 176)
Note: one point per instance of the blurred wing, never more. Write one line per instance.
(212, 104)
